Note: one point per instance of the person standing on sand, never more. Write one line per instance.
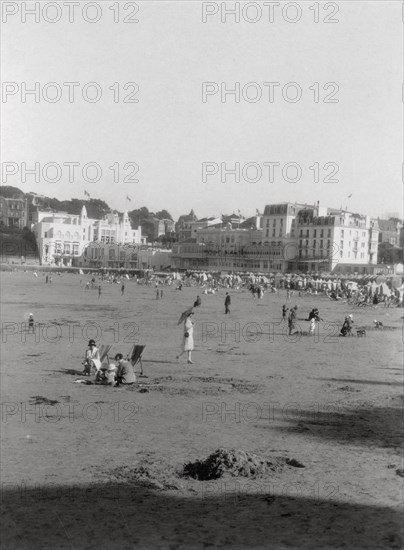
(227, 302)
(284, 310)
(292, 320)
(188, 339)
(31, 324)
(123, 289)
(99, 291)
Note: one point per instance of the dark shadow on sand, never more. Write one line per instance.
(358, 381)
(380, 426)
(133, 516)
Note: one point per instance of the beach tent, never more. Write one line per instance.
(384, 290)
(352, 285)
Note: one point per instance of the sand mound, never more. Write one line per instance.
(235, 462)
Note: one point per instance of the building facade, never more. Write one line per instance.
(123, 256)
(290, 237)
(389, 231)
(338, 238)
(62, 237)
(14, 212)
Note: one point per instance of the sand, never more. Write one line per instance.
(87, 466)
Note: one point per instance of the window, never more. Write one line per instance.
(329, 233)
(322, 233)
(321, 243)
(314, 243)
(342, 233)
(315, 233)
(274, 232)
(75, 249)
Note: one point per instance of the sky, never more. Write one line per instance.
(170, 135)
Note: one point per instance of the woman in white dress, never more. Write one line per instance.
(92, 358)
(188, 339)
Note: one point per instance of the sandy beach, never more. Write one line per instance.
(86, 466)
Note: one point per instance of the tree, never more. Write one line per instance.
(9, 192)
(163, 215)
(389, 254)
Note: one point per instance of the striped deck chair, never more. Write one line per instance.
(135, 357)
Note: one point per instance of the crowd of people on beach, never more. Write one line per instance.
(121, 371)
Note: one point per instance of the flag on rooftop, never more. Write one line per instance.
(128, 198)
(86, 194)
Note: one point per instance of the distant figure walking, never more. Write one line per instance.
(31, 324)
(227, 302)
(197, 302)
(292, 320)
(99, 291)
(157, 294)
(161, 293)
(123, 289)
(188, 340)
(284, 310)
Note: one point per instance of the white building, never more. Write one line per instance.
(334, 241)
(294, 237)
(61, 237)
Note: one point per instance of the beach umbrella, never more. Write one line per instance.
(184, 315)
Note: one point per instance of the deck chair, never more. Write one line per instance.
(104, 351)
(135, 357)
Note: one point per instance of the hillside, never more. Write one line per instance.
(96, 208)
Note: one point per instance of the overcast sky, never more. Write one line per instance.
(169, 133)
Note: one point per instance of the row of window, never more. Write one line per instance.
(274, 222)
(67, 248)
